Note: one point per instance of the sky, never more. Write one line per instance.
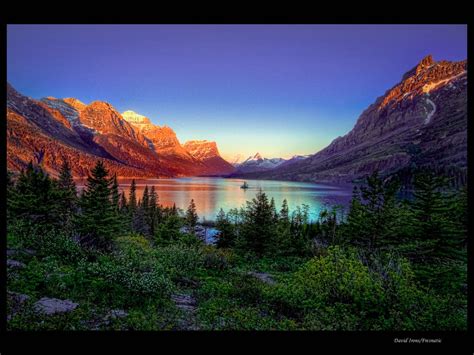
(279, 90)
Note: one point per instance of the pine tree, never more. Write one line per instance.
(299, 231)
(191, 217)
(154, 211)
(67, 192)
(34, 198)
(274, 211)
(259, 228)
(115, 193)
(123, 205)
(146, 201)
(284, 242)
(439, 239)
(226, 236)
(354, 230)
(371, 217)
(438, 236)
(132, 198)
(10, 192)
(97, 223)
(139, 222)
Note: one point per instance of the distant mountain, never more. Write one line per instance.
(294, 159)
(207, 153)
(257, 163)
(236, 160)
(420, 122)
(130, 144)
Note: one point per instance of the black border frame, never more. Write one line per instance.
(135, 342)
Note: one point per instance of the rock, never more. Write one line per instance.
(187, 304)
(12, 252)
(51, 306)
(263, 276)
(17, 301)
(115, 313)
(14, 264)
(184, 302)
(207, 152)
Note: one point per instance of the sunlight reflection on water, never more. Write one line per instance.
(211, 194)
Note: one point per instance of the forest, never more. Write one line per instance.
(126, 263)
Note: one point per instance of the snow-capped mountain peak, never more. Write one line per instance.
(135, 118)
(259, 163)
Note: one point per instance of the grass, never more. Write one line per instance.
(325, 292)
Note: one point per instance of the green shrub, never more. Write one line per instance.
(179, 260)
(339, 292)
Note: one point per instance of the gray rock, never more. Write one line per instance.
(12, 252)
(51, 306)
(116, 313)
(263, 276)
(184, 302)
(17, 300)
(14, 264)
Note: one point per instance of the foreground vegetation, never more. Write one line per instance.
(129, 264)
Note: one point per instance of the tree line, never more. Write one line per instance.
(429, 229)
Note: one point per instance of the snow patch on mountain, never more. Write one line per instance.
(69, 112)
(430, 114)
(135, 118)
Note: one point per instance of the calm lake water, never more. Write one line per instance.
(211, 194)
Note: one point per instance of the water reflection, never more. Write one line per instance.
(211, 194)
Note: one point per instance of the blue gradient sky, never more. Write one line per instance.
(276, 89)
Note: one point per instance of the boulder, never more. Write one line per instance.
(16, 302)
(50, 306)
(263, 276)
(14, 264)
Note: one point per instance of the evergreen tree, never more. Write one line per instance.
(354, 229)
(115, 193)
(67, 198)
(226, 236)
(274, 211)
(123, 205)
(371, 220)
(154, 211)
(258, 228)
(97, 223)
(437, 234)
(191, 217)
(284, 243)
(10, 192)
(300, 238)
(174, 210)
(132, 198)
(285, 212)
(34, 199)
(146, 201)
(139, 221)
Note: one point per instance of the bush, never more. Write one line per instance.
(217, 259)
(179, 260)
(339, 292)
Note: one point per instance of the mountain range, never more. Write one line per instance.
(419, 122)
(130, 145)
(257, 163)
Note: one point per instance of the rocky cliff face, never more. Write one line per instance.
(69, 129)
(162, 140)
(207, 153)
(421, 121)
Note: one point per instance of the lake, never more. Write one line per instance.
(210, 194)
